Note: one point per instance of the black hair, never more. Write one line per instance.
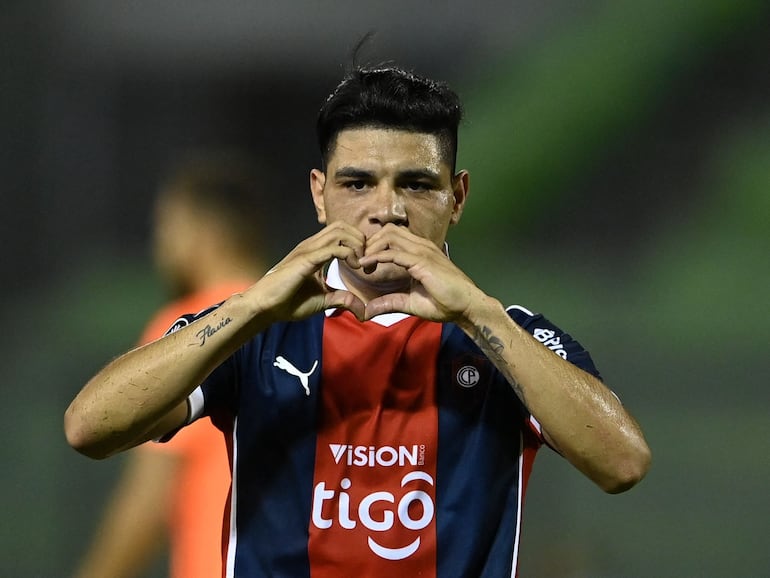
(390, 97)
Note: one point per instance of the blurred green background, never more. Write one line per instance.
(620, 184)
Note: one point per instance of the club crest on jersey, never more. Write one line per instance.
(467, 371)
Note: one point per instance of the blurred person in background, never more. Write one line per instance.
(384, 411)
(207, 245)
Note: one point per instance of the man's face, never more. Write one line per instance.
(377, 176)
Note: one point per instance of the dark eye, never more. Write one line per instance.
(417, 186)
(356, 185)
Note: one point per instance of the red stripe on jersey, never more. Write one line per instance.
(374, 497)
(531, 445)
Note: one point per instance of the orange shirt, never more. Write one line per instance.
(200, 490)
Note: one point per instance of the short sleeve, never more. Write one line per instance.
(554, 338)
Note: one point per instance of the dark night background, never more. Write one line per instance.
(620, 184)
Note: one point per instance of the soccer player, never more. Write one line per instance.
(207, 245)
(382, 411)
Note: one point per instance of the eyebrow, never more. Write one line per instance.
(420, 174)
(352, 172)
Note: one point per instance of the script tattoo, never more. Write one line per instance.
(208, 331)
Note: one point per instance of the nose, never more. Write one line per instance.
(390, 208)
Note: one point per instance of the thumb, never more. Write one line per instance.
(390, 303)
(345, 300)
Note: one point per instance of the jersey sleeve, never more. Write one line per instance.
(558, 341)
(186, 319)
(214, 396)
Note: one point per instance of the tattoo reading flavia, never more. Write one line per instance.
(208, 331)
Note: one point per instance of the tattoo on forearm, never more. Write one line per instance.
(516, 388)
(490, 341)
(208, 331)
(493, 346)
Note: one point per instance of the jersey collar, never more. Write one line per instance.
(334, 280)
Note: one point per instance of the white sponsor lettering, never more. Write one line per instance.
(389, 507)
(549, 338)
(393, 553)
(371, 456)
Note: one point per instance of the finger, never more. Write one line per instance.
(390, 303)
(349, 238)
(351, 252)
(345, 300)
(395, 236)
(403, 258)
(402, 252)
(330, 243)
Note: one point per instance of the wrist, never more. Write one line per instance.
(483, 313)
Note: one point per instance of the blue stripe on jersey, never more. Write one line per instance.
(480, 428)
(481, 432)
(275, 447)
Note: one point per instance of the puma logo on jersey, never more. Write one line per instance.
(286, 365)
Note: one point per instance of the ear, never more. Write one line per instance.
(317, 182)
(460, 184)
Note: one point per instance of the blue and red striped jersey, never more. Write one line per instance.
(391, 448)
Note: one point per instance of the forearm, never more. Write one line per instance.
(141, 394)
(124, 403)
(579, 416)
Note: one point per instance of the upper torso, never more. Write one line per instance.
(362, 449)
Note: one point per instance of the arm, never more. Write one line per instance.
(580, 417)
(134, 524)
(142, 394)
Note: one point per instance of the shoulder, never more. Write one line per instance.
(535, 323)
(553, 337)
(519, 313)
